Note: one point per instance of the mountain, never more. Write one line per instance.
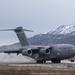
(64, 29)
(63, 34)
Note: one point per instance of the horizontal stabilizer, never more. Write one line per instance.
(7, 30)
(14, 30)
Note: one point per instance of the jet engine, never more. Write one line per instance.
(27, 52)
(45, 51)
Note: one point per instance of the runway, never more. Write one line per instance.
(63, 64)
(32, 68)
(22, 68)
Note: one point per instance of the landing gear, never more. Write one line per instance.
(56, 61)
(72, 60)
(41, 61)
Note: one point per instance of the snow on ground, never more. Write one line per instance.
(20, 58)
(14, 58)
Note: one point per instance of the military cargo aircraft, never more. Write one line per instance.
(41, 54)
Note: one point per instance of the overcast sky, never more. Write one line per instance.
(37, 15)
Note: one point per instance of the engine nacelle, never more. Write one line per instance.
(27, 52)
(45, 51)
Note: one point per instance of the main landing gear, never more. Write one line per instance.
(41, 61)
(44, 61)
(56, 61)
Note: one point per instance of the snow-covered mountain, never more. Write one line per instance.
(62, 34)
(64, 29)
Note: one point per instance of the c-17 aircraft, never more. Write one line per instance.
(41, 54)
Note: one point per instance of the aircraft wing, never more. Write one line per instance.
(10, 50)
(28, 50)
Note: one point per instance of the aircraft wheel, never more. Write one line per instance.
(38, 61)
(41, 61)
(56, 61)
(53, 61)
(44, 61)
(72, 60)
(59, 61)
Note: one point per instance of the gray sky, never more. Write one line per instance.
(37, 15)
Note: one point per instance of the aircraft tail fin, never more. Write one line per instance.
(21, 35)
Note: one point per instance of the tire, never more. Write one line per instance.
(72, 60)
(41, 61)
(56, 61)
